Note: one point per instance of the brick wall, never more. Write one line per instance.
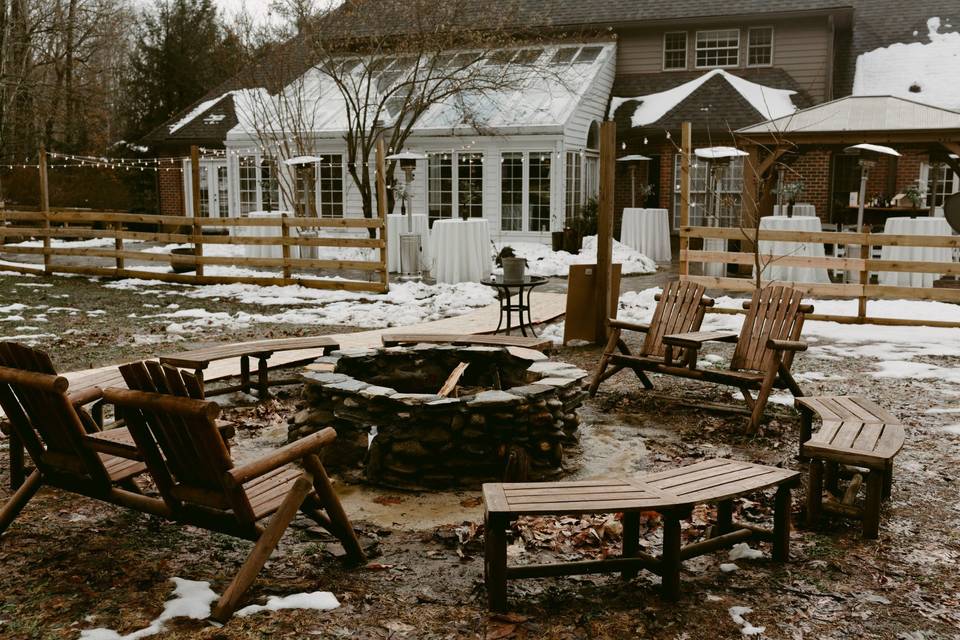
(813, 169)
(908, 168)
(170, 190)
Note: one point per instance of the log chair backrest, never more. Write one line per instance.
(35, 402)
(679, 310)
(154, 377)
(773, 312)
(183, 450)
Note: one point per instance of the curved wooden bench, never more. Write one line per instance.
(399, 339)
(867, 445)
(838, 409)
(672, 493)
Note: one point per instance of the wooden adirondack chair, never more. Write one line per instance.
(766, 345)
(47, 422)
(196, 477)
(680, 309)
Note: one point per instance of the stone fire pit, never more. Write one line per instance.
(508, 418)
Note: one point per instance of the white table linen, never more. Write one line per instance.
(799, 209)
(460, 250)
(782, 273)
(715, 269)
(262, 250)
(397, 224)
(924, 226)
(647, 231)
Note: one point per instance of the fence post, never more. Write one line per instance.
(45, 208)
(686, 143)
(382, 209)
(866, 253)
(195, 191)
(118, 246)
(608, 152)
(285, 249)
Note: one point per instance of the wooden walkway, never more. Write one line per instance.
(545, 307)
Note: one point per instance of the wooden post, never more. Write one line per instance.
(686, 144)
(285, 249)
(118, 247)
(195, 191)
(45, 208)
(751, 198)
(865, 254)
(608, 159)
(382, 208)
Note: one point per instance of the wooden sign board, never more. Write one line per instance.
(580, 321)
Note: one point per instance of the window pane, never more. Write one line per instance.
(702, 203)
(675, 50)
(269, 188)
(511, 192)
(439, 187)
(718, 48)
(539, 187)
(945, 184)
(574, 185)
(223, 195)
(306, 176)
(248, 184)
(204, 192)
(760, 46)
(470, 185)
(331, 186)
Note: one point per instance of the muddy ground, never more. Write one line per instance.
(70, 563)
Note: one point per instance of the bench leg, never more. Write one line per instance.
(781, 524)
(495, 561)
(670, 560)
(831, 477)
(263, 382)
(17, 473)
(724, 518)
(888, 481)
(871, 510)
(814, 492)
(631, 540)
(198, 374)
(604, 361)
(245, 373)
(806, 429)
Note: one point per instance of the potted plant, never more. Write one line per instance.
(792, 191)
(513, 266)
(914, 195)
(583, 224)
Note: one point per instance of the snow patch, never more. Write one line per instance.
(542, 261)
(927, 72)
(747, 629)
(318, 600)
(743, 550)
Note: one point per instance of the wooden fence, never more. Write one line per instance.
(126, 227)
(863, 290)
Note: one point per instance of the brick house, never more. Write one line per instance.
(720, 66)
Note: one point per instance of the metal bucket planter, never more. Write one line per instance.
(183, 266)
(513, 269)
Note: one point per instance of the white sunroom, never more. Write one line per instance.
(534, 163)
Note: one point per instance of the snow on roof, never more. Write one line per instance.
(770, 102)
(927, 72)
(538, 100)
(196, 111)
(861, 113)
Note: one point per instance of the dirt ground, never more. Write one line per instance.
(71, 564)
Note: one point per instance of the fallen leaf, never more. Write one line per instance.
(388, 500)
(471, 502)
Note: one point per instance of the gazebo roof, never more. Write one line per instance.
(842, 119)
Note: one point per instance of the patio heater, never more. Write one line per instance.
(410, 241)
(718, 160)
(867, 155)
(633, 160)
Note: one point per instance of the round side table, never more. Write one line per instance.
(506, 289)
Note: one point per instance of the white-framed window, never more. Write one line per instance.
(760, 46)
(702, 202)
(330, 190)
(718, 48)
(947, 182)
(591, 175)
(574, 185)
(247, 185)
(674, 50)
(511, 191)
(469, 192)
(439, 186)
(538, 187)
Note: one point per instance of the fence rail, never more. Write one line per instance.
(863, 290)
(122, 227)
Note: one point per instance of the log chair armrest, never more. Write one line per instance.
(786, 345)
(284, 455)
(629, 326)
(707, 302)
(85, 396)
